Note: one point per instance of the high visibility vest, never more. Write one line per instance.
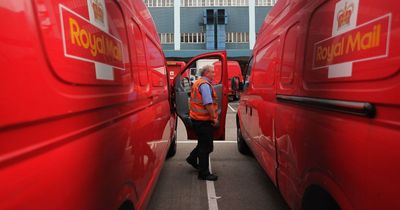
(197, 110)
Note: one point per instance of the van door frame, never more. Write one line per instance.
(219, 133)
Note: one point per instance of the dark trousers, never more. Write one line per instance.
(204, 131)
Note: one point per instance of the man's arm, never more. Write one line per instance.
(206, 92)
(212, 113)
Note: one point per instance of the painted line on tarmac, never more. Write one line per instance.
(195, 142)
(231, 108)
(212, 197)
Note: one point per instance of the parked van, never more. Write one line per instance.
(233, 71)
(320, 108)
(173, 68)
(85, 120)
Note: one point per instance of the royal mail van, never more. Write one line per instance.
(85, 115)
(173, 68)
(320, 107)
(233, 71)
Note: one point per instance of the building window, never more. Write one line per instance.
(237, 37)
(159, 3)
(166, 38)
(192, 38)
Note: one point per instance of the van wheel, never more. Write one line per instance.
(242, 146)
(172, 147)
(317, 198)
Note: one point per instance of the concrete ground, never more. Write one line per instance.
(242, 183)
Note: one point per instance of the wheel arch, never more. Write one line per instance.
(322, 187)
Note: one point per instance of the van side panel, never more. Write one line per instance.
(354, 61)
(336, 109)
(362, 66)
(79, 133)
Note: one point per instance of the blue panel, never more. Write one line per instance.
(261, 13)
(168, 46)
(192, 19)
(210, 34)
(221, 36)
(189, 46)
(163, 18)
(237, 46)
(238, 19)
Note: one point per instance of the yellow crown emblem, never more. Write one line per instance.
(344, 15)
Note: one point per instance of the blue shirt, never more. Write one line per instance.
(206, 92)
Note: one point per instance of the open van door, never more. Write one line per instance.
(182, 89)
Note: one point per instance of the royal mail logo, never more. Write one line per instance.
(98, 10)
(344, 15)
(84, 41)
(365, 42)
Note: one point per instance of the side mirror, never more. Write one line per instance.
(236, 85)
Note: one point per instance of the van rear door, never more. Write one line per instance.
(182, 89)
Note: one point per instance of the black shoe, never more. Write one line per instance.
(209, 177)
(192, 162)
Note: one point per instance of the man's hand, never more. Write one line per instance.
(215, 122)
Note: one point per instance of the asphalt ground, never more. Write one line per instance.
(242, 184)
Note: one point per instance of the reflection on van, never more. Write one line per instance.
(85, 120)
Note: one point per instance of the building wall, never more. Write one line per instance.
(238, 19)
(163, 18)
(192, 22)
(191, 19)
(261, 13)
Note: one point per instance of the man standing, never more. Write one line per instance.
(204, 116)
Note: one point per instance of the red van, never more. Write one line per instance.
(173, 68)
(320, 108)
(233, 71)
(85, 120)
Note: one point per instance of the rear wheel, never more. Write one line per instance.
(242, 146)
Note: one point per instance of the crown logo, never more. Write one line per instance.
(344, 15)
(98, 11)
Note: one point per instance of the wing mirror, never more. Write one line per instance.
(236, 85)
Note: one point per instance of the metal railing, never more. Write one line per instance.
(237, 37)
(266, 2)
(193, 38)
(166, 38)
(159, 3)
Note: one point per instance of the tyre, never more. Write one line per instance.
(242, 146)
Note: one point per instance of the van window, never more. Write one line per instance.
(139, 59)
(156, 64)
(265, 63)
(289, 58)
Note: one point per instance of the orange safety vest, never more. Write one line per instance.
(197, 110)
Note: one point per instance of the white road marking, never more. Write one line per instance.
(212, 198)
(231, 108)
